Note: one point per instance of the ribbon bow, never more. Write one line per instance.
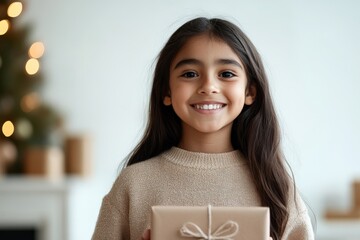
(225, 232)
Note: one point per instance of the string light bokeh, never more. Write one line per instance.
(4, 26)
(8, 128)
(14, 9)
(24, 118)
(30, 101)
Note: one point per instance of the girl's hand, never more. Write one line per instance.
(146, 235)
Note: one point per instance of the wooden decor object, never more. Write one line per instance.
(356, 194)
(46, 162)
(353, 212)
(77, 155)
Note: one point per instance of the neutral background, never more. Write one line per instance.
(98, 66)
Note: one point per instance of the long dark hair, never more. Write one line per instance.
(255, 131)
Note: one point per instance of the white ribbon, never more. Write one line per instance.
(225, 232)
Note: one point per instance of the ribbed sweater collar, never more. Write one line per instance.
(202, 160)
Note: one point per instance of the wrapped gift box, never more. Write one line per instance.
(237, 223)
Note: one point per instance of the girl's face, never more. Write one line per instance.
(208, 86)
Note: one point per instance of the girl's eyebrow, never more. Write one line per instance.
(226, 61)
(188, 61)
(223, 61)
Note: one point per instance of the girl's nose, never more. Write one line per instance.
(208, 86)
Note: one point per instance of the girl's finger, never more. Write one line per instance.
(146, 235)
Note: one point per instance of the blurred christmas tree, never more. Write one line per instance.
(25, 120)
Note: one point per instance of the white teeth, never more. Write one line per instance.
(208, 106)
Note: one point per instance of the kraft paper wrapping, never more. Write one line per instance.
(236, 223)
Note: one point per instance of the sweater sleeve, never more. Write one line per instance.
(299, 225)
(113, 219)
(299, 228)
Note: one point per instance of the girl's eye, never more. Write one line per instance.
(227, 74)
(190, 75)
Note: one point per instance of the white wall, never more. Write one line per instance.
(98, 63)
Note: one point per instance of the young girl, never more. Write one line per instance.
(212, 138)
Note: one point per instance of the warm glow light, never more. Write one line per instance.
(15, 9)
(24, 128)
(8, 151)
(32, 66)
(8, 128)
(4, 26)
(29, 102)
(36, 50)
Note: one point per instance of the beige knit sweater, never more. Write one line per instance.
(183, 178)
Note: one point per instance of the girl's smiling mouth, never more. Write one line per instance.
(208, 106)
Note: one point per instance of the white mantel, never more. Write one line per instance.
(34, 202)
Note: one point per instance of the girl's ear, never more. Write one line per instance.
(250, 95)
(167, 101)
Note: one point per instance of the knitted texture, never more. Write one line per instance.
(183, 178)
